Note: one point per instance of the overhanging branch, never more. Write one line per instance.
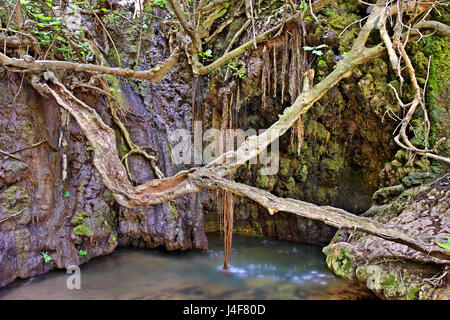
(154, 75)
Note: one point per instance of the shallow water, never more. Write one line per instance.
(261, 268)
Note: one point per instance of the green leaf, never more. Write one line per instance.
(66, 194)
(316, 52)
(46, 256)
(445, 245)
(303, 6)
(307, 48)
(321, 46)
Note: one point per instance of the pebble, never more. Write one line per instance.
(431, 197)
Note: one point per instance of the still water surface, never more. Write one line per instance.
(261, 268)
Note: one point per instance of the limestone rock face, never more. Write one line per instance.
(40, 213)
(391, 270)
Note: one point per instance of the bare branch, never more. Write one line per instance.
(153, 75)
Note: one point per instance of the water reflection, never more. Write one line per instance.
(260, 268)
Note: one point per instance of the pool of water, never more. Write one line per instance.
(260, 268)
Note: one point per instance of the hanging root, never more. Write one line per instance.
(274, 71)
(284, 66)
(293, 68)
(227, 123)
(227, 226)
(298, 131)
(265, 83)
(397, 54)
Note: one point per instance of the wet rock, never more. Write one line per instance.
(391, 270)
(11, 171)
(14, 211)
(417, 178)
(383, 195)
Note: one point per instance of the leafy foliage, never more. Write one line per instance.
(237, 68)
(445, 245)
(303, 6)
(315, 50)
(206, 56)
(46, 256)
(160, 3)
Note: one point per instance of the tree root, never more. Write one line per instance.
(126, 135)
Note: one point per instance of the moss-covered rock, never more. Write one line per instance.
(14, 208)
(265, 182)
(391, 270)
(383, 195)
(341, 260)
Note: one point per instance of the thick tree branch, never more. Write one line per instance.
(441, 28)
(153, 75)
(331, 216)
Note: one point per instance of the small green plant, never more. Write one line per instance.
(66, 194)
(206, 56)
(173, 211)
(82, 252)
(346, 53)
(445, 245)
(46, 256)
(160, 3)
(303, 7)
(315, 50)
(237, 68)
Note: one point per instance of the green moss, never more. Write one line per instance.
(16, 199)
(83, 230)
(265, 182)
(317, 131)
(107, 196)
(173, 211)
(303, 173)
(26, 127)
(383, 195)
(285, 168)
(341, 261)
(438, 48)
(412, 295)
(322, 64)
(79, 218)
(389, 280)
(334, 165)
(12, 191)
(337, 20)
